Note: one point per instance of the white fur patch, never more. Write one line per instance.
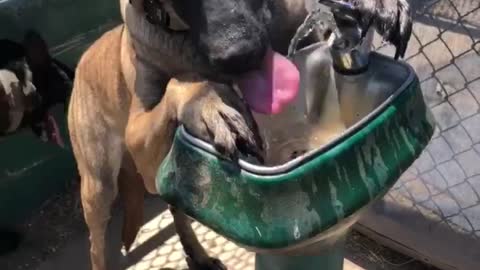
(15, 95)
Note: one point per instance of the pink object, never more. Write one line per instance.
(273, 87)
(55, 135)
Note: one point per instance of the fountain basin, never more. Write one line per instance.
(316, 196)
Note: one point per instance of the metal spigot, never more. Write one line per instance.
(348, 48)
(349, 53)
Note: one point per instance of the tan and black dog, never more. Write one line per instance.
(174, 62)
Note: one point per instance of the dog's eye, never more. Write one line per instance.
(256, 4)
(164, 17)
(159, 14)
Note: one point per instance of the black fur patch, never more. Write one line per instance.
(150, 93)
(10, 241)
(150, 84)
(12, 58)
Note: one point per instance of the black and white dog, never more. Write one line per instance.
(31, 82)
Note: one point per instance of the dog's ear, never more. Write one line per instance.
(36, 51)
(137, 4)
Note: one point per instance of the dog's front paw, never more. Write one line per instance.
(391, 18)
(219, 116)
(209, 264)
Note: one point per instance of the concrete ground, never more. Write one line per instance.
(56, 238)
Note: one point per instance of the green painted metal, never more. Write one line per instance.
(327, 259)
(331, 260)
(31, 171)
(68, 26)
(278, 211)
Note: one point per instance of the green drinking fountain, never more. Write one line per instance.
(358, 122)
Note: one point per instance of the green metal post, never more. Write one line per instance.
(330, 258)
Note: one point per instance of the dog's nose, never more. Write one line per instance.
(238, 58)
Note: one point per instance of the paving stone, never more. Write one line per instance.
(472, 215)
(448, 206)
(418, 190)
(425, 162)
(466, 64)
(175, 256)
(220, 240)
(458, 40)
(475, 89)
(426, 32)
(472, 126)
(475, 182)
(440, 150)
(462, 222)
(165, 249)
(458, 139)
(422, 67)
(445, 116)
(159, 261)
(225, 256)
(451, 79)
(434, 181)
(464, 103)
(432, 92)
(143, 265)
(452, 172)
(464, 195)
(437, 52)
(470, 162)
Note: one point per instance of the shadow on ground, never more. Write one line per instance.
(56, 238)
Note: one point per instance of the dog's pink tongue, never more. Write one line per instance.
(273, 87)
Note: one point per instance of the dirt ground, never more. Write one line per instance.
(56, 235)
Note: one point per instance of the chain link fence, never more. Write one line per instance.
(443, 185)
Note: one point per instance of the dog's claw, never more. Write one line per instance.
(220, 117)
(391, 18)
(211, 264)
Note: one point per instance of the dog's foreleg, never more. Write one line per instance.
(149, 132)
(197, 257)
(98, 153)
(132, 195)
(97, 198)
(148, 137)
(210, 111)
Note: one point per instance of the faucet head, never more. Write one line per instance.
(350, 51)
(349, 46)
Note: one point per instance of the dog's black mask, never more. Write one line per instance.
(231, 33)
